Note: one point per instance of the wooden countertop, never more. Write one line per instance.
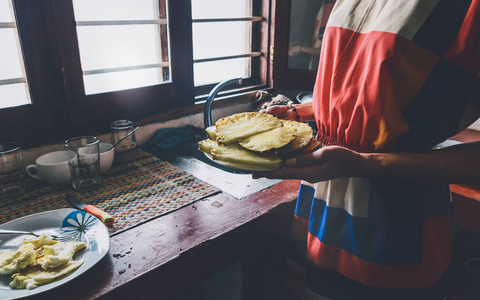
(466, 206)
(466, 198)
(169, 254)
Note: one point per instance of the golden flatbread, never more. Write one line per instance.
(234, 128)
(269, 140)
(303, 137)
(234, 155)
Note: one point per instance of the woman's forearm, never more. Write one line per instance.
(455, 164)
(311, 50)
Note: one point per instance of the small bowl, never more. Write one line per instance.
(106, 157)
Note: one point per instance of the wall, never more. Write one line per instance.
(144, 133)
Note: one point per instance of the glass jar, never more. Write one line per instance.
(119, 129)
(11, 170)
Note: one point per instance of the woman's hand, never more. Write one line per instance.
(455, 164)
(297, 112)
(294, 50)
(330, 162)
(285, 112)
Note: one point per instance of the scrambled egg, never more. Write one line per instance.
(15, 261)
(58, 254)
(40, 241)
(35, 276)
(40, 261)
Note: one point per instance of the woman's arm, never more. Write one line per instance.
(295, 50)
(455, 164)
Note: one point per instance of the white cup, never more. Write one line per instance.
(52, 167)
(106, 157)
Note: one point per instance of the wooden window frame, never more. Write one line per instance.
(283, 77)
(261, 29)
(60, 109)
(90, 109)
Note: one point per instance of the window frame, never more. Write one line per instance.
(260, 44)
(90, 108)
(60, 108)
(43, 116)
(283, 77)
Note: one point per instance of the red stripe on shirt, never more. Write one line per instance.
(436, 254)
(351, 102)
(465, 50)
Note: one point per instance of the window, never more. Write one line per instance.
(13, 81)
(286, 73)
(120, 44)
(88, 62)
(221, 40)
(228, 41)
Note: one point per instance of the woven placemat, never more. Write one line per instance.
(138, 188)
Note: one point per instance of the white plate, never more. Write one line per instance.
(305, 97)
(61, 221)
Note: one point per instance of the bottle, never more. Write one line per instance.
(119, 129)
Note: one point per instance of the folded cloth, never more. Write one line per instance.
(167, 138)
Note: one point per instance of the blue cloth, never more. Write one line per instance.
(168, 138)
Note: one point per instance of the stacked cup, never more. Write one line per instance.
(85, 167)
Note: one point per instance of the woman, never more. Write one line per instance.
(373, 216)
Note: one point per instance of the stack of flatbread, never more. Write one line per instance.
(256, 141)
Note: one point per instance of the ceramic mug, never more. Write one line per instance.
(52, 167)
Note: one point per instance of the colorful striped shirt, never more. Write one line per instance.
(394, 75)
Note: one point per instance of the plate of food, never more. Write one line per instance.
(252, 141)
(34, 264)
(235, 168)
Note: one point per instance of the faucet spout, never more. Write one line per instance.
(207, 113)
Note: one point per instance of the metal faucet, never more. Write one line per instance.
(207, 113)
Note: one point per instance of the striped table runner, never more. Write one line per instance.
(138, 188)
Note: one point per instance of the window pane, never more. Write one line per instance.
(104, 47)
(306, 35)
(14, 95)
(101, 83)
(6, 14)
(13, 86)
(217, 71)
(208, 9)
(95, 10)
(10, 58)
(118, 39)
(221, 39)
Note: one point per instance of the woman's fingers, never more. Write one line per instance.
(290, 173)
(305, 160)
(330, 162)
